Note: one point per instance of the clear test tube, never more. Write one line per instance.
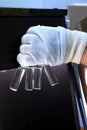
(29, 81)
(37, 77)
(17, 79)
(50, 75)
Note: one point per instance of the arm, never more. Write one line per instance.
(84, 58)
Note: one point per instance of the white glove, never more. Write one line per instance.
(42, 45)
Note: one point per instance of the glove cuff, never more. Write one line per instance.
(76, 43)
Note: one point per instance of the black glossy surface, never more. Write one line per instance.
(49, 108)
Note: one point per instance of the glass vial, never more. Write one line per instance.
(29, 81)
(50, 76)
(37, 77)
(17, 79)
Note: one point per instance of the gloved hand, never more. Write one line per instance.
(42, 45)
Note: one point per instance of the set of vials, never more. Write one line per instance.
(33, 77)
